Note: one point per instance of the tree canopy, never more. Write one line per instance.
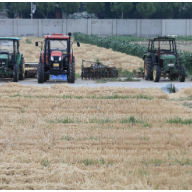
(69, 7)
(94, 7)
(19, 8)
(121, 8)
(146, 9)
(167, 10)
(44, 8)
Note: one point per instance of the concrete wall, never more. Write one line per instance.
(100, 27)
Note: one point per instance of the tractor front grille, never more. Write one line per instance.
(56, 58)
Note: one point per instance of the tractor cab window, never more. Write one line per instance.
(6, 46)
(58, 45)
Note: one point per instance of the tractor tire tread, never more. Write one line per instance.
(149, 75)
(21, 75)
(182, 79)
(16, 73)
(71, 72)
(40, 71)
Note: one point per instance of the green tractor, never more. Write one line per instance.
(12, 65)
(163, 62)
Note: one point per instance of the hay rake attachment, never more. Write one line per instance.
(98, 70)
(30, 70)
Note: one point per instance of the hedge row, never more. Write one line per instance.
(124, 46)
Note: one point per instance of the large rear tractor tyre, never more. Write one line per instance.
(40, 73)
(16, 73)
(182, 74)
(22, 69)
(71, 72)
(156, 74)
(148, 69)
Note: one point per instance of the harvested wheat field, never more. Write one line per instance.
(86, 52)
(61, 137)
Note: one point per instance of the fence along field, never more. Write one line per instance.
(61, 137)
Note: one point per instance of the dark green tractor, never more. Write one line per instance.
(164, 61)
(12, 64)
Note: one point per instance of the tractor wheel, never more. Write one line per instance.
(22, 70)
(71, 72)
(40, 73)
(182, 74)
(148, 69)
(156, 74)
(16, 73)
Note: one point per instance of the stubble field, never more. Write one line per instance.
(61, 137)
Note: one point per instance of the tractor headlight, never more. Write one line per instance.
(52, 59)
(60, 58)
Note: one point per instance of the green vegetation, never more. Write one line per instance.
(93, 162)
(121, 45)
(45, 162)
(143, 172)
(69, 7)
(121, 8)
(65, 120)
(133, 121)
(146, 9)
(28, 41)
(45, 8)
(178, 120)
(94, 7)
(67, 137)
(19, 8)
(77, 75)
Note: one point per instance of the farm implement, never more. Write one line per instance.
(12, 64)
(57, 60)
(97, 70)
(163, 62)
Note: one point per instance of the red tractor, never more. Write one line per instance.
(57, 60)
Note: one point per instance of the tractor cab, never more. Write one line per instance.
(11, 60)
(162, 60)
(56, 59)
(167, 52)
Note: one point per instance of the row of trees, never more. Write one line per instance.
(153, 10)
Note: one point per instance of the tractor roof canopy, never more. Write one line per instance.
(9, 38)
(56, 36)
(163, 39)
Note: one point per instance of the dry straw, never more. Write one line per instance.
(62, 137)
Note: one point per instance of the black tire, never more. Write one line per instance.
(22, 72)
(148, 69)
(71, 72)
(40, 73)
(16, 73)
(156, 74)
(182, 74)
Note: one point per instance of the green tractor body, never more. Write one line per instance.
(11, 60)
(162, 62)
